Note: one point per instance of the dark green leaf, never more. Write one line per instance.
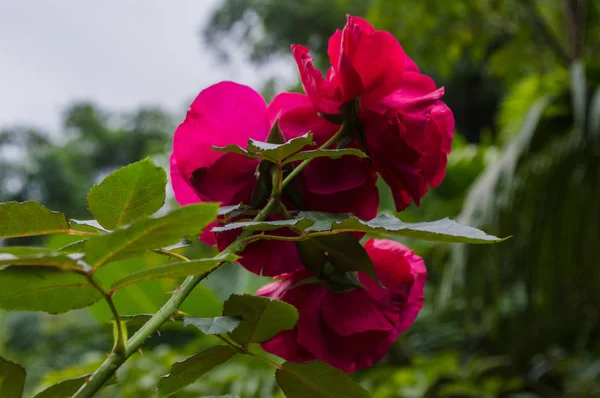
(69, 387)
(12, 379)
(150, 233)
(278, 152)
(444, 230)
(326, 153)
(316, 379)
(276, 135)
(174, 270)
(343, 251)
(262, 188)
(262, 318)
(131, 192)
(188, 371)
(29, 219)
(217, 325)
(265, 225)
(44, 289)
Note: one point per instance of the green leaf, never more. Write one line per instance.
(30, 219)
(326, 153)
(23, 251)
(12, 379)
(44, 289)
(236, 149)
(343, 251)
(87, 226)
(278, 152)
(316, 379)
(444, 230)
(54, 260)
(131, 192)
(217, 325)
(265, 225)
(264, 183)
(233, 211)
(262, 318)
(140, 319)
(174, 270)
(270, 151)
(150, 233)
(188, 371)
(69, 387)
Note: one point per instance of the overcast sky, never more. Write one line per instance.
(118, 53)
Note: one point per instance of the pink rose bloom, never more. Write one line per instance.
(405, 128)
(230, 113)
(355, 329)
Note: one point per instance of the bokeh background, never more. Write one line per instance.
(86, 87)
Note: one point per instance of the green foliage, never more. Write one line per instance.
(188, 371)
(134, 191)
(149, 233)
(174, 270)
(67, 387)
(216, 325)
(316, 379)
(12, 379)
(315, 223)
(30, 218)
(269, 151)
(262, 318)
(44, 289)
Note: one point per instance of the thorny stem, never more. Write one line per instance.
(166, 312)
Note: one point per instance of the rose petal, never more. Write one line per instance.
(226, 113)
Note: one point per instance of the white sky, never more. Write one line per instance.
(118, 53)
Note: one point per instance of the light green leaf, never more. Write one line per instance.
(174, 270)
(54, 260)
(44, 289)
(278, 152)
(30, 219)
(262, 318)
(188, 371)
(233, 211)
(326, 153)
(150, 233)
(270, 151)
(316, 379)
(23, 251)
(216, 325)
(12, 379)
(129, 193)
(444, 230)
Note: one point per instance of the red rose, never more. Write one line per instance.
(230, 113)
(404, 127)
(355, 329)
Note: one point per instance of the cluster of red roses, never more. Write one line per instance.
(398, 120)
